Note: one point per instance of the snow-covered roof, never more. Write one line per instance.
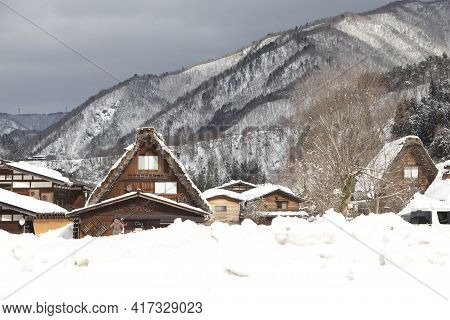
(113, 167)
(149, 196)
(440, 188)
(379, 165)
(143, 134)
(257, 192)
(211, 193)
(39, 171)
(234, 182)
(29, 205)
(265, 189)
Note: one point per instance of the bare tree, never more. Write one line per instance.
(347, 125)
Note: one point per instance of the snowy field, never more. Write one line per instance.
(291, 269)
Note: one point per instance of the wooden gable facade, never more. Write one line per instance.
(147, 187)
(279, 200)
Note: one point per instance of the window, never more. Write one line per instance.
(443, 217)
(2, 177)
(6, 186)
(5, 217)
(43, 184)
(27, 177)
(21, 185)
(282, 204)
(17, 177)
(165, 187)
(420, 217)
(148, 163)
(17, 217)
(411, 172)
(220, 208)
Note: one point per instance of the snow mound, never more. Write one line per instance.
(358, 259)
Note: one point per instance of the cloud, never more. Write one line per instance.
(127, 37)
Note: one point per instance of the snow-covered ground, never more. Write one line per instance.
(289, 269)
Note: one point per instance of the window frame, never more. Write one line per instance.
(17, 217)
(281, 202)
(144, 163)
(165, 184)
(4, 215)
(411, 172)
(221, 206)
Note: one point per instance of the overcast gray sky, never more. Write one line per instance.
(126, 37)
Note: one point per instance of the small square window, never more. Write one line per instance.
(411, 172)
(148, 163)
(171, 187)
(282, 205)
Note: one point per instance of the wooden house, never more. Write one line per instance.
(402, 168)
(147, 187)
(231, 201)
(24, 214)
(42, 184)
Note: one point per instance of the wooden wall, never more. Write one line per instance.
(231, 216)
(132, 179)
(11, 227)
(270, 202)
(45, 225)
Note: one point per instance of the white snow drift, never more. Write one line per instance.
(236, 268)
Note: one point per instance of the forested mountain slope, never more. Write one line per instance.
(251, 87)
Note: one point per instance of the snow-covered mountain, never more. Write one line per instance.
(248, 90)
(34, 121)
(8, 125)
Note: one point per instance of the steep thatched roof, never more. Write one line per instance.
(383, 162)
(145, 135)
